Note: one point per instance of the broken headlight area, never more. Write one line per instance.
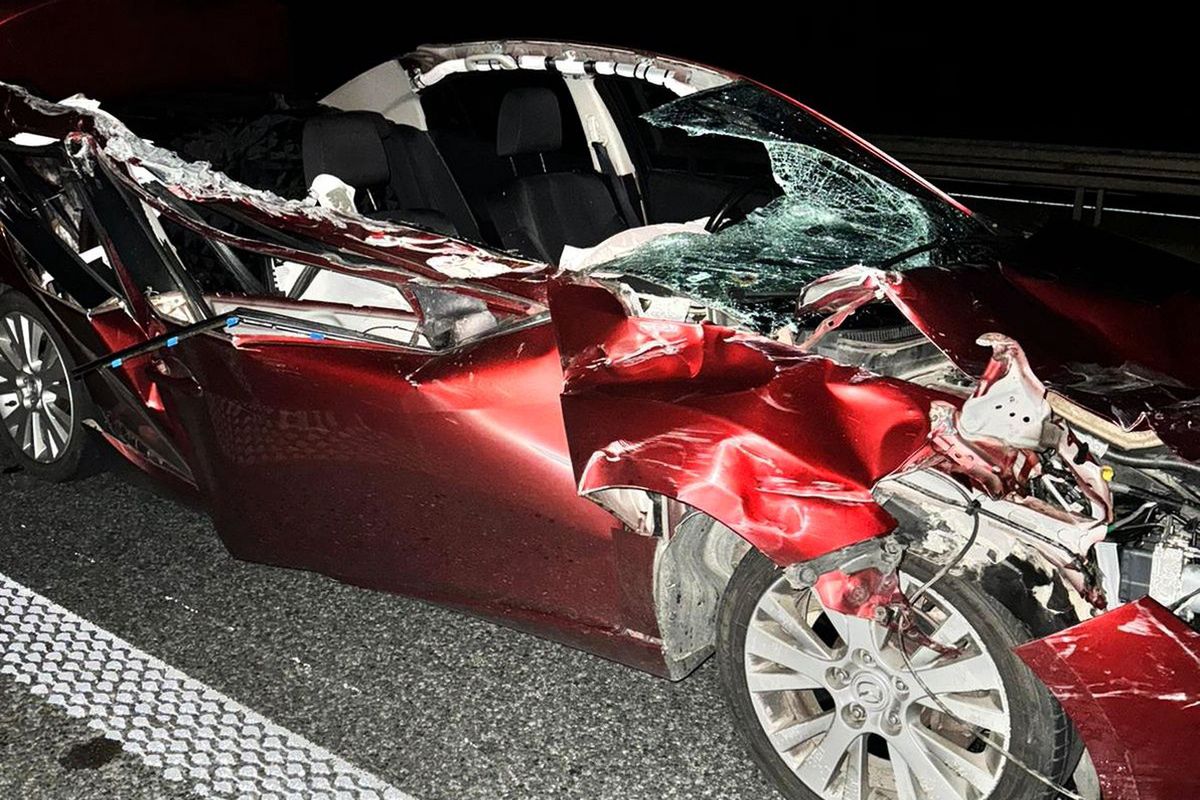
(1073, 445)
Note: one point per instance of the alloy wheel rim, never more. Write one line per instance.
(36, 402)
(842, 710)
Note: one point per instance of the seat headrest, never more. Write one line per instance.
(348, 146)
(529, 122)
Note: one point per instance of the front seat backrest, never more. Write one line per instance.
(397, 172)
(530, 121)
(538, 214)
(348, 146)
(421, 179)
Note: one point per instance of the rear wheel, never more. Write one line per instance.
(830, 708)
(40, 404)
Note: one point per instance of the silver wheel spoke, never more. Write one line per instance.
(25, 341)
(60, 421)
(56, 433)
(980, 711)
(50, 363)
(956, 759)
(39, 435)
(948, 634)
(52, 442)
(15, 420)
(856, 785)
(37, 337)
(8, 345)
(933, 782)
(798, 733)
(968, 673)
(794, 626)
(770, 647)
(27, 434)
(906, 784)
(857, 632)
(821, 763)
(781, 682)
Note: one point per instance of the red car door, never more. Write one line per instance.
(434, 470)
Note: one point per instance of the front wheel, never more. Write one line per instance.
(830, 708)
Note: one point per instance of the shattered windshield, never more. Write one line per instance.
(840, 205)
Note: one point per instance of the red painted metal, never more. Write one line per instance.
(1129, 357)
(440, 476)
(780, 446)
(1130, 679)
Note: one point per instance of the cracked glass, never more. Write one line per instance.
(838, 205)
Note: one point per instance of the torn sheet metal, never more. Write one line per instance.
(1111, 350)
(785, 447)
(780, 446)
(91, 133)
(1130, 679)
(1003, 436)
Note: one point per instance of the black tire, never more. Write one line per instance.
(1046, 745)
(82, 454)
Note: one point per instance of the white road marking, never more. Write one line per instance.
(174, 723)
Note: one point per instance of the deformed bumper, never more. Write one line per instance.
(1130, 679)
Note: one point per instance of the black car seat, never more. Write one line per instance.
(396, 170)
(537, 214)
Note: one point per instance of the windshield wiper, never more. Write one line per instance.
(905, 255)
(936, 244)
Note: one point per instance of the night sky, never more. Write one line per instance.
(1074, 75)
(970, 70)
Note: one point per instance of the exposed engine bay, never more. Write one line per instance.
(1076, 469)
(1104, 504)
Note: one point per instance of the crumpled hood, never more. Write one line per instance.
(1109, 324)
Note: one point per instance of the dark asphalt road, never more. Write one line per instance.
(438, 704)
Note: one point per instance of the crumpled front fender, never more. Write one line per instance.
(781, 446)
(1130, 679)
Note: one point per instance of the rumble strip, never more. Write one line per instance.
(173, 723)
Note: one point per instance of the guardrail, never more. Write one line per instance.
(1083, 179)
(1049, 166)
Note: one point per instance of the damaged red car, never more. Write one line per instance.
(647, 358)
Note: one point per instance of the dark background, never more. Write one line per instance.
(1028, 113)
(973, 71)
(1053, 73)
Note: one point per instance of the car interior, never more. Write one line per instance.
(502, 160)
(503, 163)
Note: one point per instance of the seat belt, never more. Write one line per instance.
(617, 187)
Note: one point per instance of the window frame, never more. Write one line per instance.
(316, 263)
(46, 211)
